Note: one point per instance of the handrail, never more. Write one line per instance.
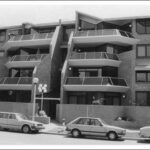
(103, 32)
(94, 55)
(16, 80)
(32, 57)
(35, 36)
(99, 81)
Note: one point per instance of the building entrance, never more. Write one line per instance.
(49, 106)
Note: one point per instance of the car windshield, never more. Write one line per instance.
(102, 121)
(21, 116)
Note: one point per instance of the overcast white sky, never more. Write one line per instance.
(14, 13)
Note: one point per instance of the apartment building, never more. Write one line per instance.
(86, 62)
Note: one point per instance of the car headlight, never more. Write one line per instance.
(123, 132)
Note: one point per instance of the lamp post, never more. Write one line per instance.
(35, 82)
(42, 89)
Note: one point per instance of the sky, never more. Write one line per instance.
(15, 13)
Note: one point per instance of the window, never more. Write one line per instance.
(86, 25)
(2, 36)
(142, 98)
(95, 122)
(5, 116)
(142, 76)
(83, 121)
(12, 116)
(143, 51)
(143, 26)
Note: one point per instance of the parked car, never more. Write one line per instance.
(94, 126)
(17, 121)
(145, 132)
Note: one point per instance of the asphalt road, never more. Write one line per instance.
(16, 138)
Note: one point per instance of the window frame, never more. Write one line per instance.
(146, 72)
(145, 27)
(145, 45)
(147, 92)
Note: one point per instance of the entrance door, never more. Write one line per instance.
(50, 107)
(116, 101)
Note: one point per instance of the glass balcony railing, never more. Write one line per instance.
(104, 32)
(35, 57)
(107, 81)
(36, 36)
(94, 55)
(16, 80)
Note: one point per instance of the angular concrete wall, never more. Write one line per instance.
(126, 71)
(43, 72)
(56, 59)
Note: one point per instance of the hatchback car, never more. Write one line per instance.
(145, 132)
(17, 121)
(94, 126)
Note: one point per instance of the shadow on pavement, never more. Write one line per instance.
(144, 141)
(94, 138)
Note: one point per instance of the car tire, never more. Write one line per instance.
(26, 129)
(76, 133)
(36, 131)
(112, 135)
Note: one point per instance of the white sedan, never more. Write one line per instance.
(145, 132)
(94, 126)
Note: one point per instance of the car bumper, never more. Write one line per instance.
(121, 134)
(37, 127)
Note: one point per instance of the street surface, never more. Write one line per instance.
(16, 138)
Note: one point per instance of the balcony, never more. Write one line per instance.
(94, 59)
(29, 40)
(104, 84)
(114, 36)
(25, 60)
(16, 83)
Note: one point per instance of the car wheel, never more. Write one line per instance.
(26, 129)
(75, 133)
(112, 136)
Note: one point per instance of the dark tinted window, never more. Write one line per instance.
(95, 122)
(83, 121)
(143, 98)
(143, 26)
(142, 76)
(12, 116)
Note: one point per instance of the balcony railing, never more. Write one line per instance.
(94, 55)
(16, 80)
(106, 81)
(104, 32)
(35, 57)
(36, 36)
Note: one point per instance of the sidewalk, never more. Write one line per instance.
(54, 128)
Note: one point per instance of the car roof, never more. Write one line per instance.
(85, 118)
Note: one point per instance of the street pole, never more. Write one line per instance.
(87, 111)
(42, 101)
(34, 102)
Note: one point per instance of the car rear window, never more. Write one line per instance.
(4, 115)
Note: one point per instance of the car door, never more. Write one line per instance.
(13, 122)
(3, 120)
(97, 128)
(83, 125)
